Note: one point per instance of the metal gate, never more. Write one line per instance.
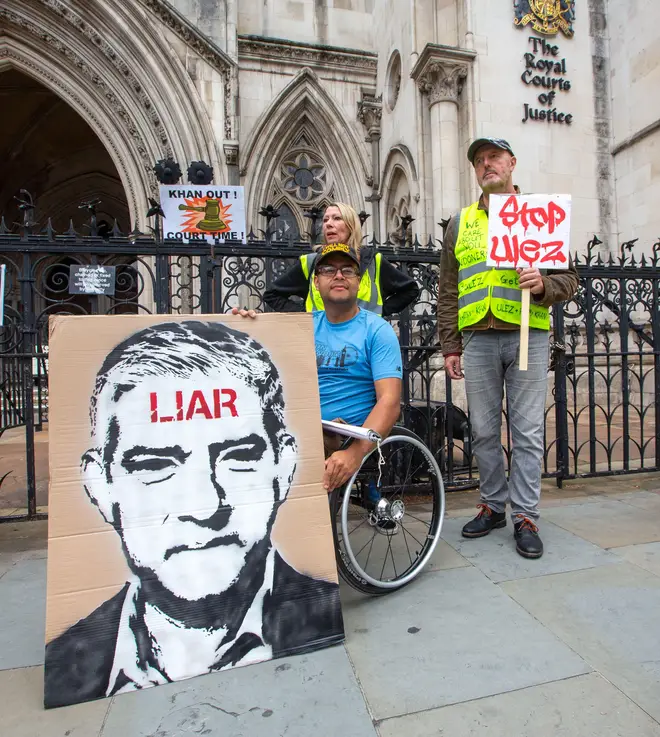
(603, 408)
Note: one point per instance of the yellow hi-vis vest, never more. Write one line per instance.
(482, 288)
(369, 296)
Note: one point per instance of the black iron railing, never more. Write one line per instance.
(603, 408)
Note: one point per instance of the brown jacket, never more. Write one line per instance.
(560, 285)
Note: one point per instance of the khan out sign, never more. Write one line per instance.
(529, 231)
(203, 213)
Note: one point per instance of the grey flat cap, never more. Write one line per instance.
(498, 142)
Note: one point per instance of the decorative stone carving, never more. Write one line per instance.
(398, 206)
(370, 112)
(393, 80)
(304, 55)
(440, 72)
(442, 81)
(230, 151)
(81, 57)
(304, 177)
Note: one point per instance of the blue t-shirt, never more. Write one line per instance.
(350, 356)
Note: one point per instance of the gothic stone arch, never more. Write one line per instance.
(303, 117)
(112, 63)
(400, 191)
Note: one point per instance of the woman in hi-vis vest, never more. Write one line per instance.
(383, 288)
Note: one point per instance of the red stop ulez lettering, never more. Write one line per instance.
(540, 217)
(512, 251)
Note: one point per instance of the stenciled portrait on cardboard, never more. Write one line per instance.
(188, 531)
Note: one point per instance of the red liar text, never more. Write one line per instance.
(222, 403)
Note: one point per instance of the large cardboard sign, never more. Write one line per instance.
(526, 231)
(188, 528)
(203, 212)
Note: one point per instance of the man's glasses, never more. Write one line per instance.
(348, 272)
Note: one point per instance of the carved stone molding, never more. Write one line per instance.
(54, 82)
(440, 72)
(306, 55)
(205, 49)
(230, 151)
(83, 67)
(198, 42)
(370, 112)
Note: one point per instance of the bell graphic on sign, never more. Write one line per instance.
(211, 222)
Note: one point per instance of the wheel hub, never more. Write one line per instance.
(386, 516)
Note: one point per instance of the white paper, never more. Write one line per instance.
(529, 231)
(351, 431)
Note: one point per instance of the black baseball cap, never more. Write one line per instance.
(476, 145)
(342, 248)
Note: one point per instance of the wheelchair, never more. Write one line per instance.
(388, 517)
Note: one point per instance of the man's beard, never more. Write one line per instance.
(493, 184)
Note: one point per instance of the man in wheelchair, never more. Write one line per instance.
(358, 361)
(383, 537)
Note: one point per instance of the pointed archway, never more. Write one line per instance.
(115, 64)
(303, 153)
(49, 150)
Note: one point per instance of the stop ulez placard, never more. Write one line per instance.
(528, 231)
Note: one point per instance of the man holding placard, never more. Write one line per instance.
(493, 307)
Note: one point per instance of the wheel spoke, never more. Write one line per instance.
(410, 514)
(357, 527)
(365, 545)
(370, 549)
(405, 540)
(411, 535)
(396, 575)
(389, 547)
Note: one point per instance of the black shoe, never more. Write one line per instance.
(484, 522)
(528, 542)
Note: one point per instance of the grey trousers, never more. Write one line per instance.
(490, 363)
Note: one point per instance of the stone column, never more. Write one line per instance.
(441, 84)
(370, 110)
(440, 72)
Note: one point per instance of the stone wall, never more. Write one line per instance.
(345, 23)
(552, 156)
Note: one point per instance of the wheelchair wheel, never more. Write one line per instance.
(386, 532)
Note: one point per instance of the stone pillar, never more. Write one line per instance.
(230, 151)
(440, 72)
(370, 110)
(441, 84)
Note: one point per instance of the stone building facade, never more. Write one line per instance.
(304, 101)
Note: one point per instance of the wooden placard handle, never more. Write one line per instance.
(524, 330)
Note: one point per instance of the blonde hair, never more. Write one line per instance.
(350, 217)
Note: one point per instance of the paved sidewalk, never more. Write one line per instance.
(484, 642)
